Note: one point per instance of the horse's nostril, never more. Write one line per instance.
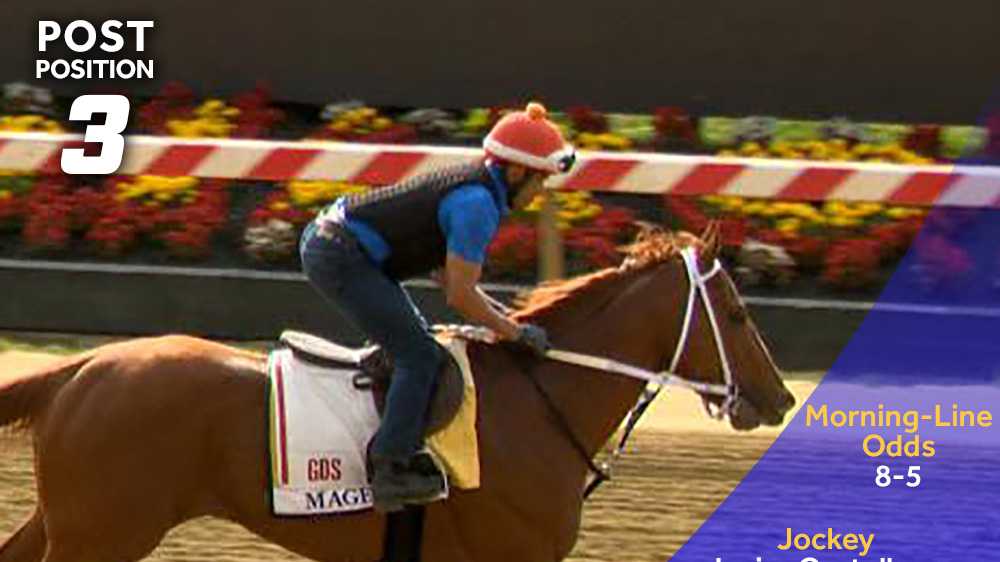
(787, 401)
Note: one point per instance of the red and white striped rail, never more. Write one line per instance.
(972, 186)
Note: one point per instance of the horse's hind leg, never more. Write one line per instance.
(85, 527)
(119, 542)
(27, 544)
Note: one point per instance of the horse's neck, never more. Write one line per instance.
(593, 402)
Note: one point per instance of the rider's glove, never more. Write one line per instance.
(534, 338)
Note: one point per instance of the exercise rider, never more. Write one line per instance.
(359, 249)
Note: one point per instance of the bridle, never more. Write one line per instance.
(697, 291)
(656, 381)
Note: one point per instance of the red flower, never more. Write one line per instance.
(514, 249)
(686, 212)
(595, 251)
(925, 139)
(674, 122)
(586, 119)
(852, 263)
(733, 231)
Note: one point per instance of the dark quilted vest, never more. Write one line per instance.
(406, 215)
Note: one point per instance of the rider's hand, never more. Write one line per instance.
(534, 338)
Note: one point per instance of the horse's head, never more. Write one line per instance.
(716, 341)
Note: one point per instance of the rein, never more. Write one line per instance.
(656, 380)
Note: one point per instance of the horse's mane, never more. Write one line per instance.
(651, 247)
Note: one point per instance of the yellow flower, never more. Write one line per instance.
(802, 210)
(726, 202)
(772, 210)
(733, 203)
(340, 126)
(845, 222)
(210, 107)
(789, 225)
(834, 207)
(902, 212)
(590, 211)
(750, 149)
(306, 193)
(535, 206)
(279, 206)
(862, 149)
(27, 123)
(868, 207)
(5, 194)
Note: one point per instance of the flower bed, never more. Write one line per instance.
(838, 246)
(274, 227)
(355, 122)
(50, 214)
(27, 109)
(178, 111)
(841, 150)
(592, 232)
(846, 244)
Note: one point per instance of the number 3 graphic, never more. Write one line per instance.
(108, 135)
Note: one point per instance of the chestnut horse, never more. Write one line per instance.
(133, 438)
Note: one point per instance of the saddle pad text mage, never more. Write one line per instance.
(321, 424)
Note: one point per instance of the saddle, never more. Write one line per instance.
(374, 366)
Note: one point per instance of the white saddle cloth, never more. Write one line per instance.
(320, 425)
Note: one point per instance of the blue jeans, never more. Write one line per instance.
(343, 273)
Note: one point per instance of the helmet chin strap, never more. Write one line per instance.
(501, 169)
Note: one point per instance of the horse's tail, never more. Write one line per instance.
(24, 397)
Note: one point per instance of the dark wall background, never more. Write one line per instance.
(72, 299)
(890, 59)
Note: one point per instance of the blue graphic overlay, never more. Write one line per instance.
(896, 455)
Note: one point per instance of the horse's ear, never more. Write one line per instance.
(711, 239)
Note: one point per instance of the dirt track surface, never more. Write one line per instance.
(681, 465)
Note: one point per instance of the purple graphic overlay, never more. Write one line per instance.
(896, 454)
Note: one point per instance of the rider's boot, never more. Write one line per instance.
(400, 482)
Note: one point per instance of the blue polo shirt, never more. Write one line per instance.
(469, 217)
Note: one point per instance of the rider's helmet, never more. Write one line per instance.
(530, 139)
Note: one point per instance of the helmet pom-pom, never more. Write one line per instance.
(536, 110)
